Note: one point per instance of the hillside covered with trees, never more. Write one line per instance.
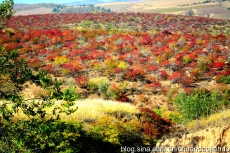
(79, 9)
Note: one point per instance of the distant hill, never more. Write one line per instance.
(86, 2)
(25, 7)
(89, 8)
(212, 9)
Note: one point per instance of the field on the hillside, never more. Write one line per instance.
(41, 10)
(173, 7)
(158, 63)
(181, 7)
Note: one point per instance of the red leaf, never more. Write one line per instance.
(218, 65)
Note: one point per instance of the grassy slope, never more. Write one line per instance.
(217, 119)
(91, 109)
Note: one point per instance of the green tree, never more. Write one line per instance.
(6, 9)
(220, 2)
(14, 72)
(190, 12)
(56, 10)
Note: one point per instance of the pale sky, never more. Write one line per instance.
(48, 1)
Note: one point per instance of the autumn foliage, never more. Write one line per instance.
(129, 53)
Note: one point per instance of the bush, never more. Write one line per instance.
(70, 94)
(102, 88)
(190, 12)
(174, 116)
(50, 136)
(154, 125)
(116, 91)
(223, 79)
(6, 9)
(200, 103)
(122, 132)
(100, 85)
(159, 111)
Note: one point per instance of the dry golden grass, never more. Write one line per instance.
(99, 79)
(90, 110)
(216, 119)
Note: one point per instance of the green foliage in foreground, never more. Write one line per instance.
(6, 9)
(49, 136)
(201, 103)
(224, 79)
(40, 132)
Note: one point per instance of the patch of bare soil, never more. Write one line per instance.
(31, 90)
(41, 10)
(149, 4)
(157, 4)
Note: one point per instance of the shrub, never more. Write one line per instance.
(59, 60)
(159, 111)
(154, 86)
(110, 64)
(102, 88)
(223, 79)
(200, 103)
(163, 74)
(136, 71)
(15, 71)
(219, 65)
(176, 76)
(190, 12)
(100, 85)
(186, 81)
(97, 66)
(116, 91)
(125, 133)
(81, 81)
(50, 136)
(186, 59)
(122, 65)
(70, 94)
(203, 63)
(195, 73)
(181, 41)
(6, 9)
(153, 124)
(93, 83)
